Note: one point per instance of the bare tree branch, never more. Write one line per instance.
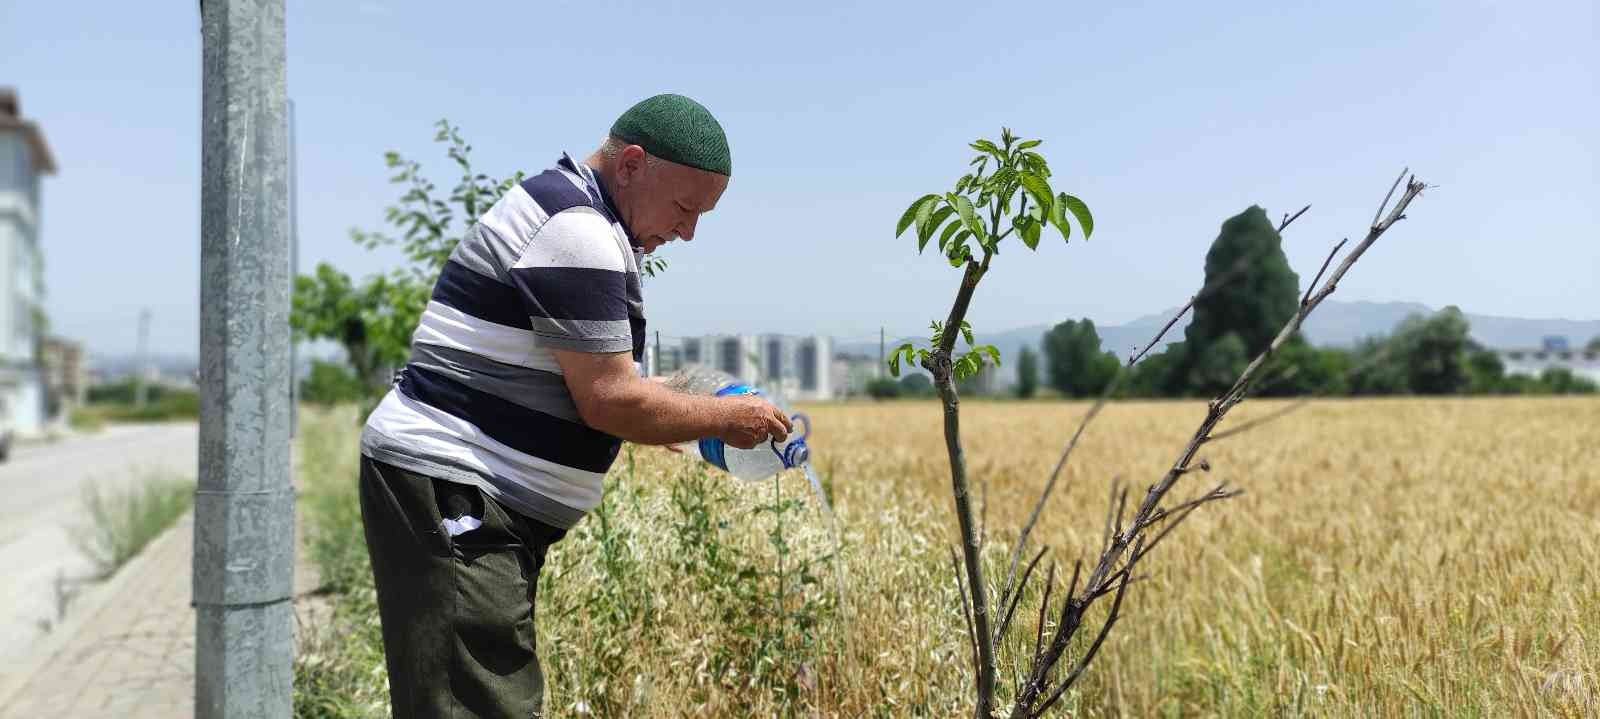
(1318, 278)
(1149, 512)
(1390, 194)
(1094, 648)
(1291, 218)
(1011, 607)
(1038, 632)
(1258, 421)
(1219, 281)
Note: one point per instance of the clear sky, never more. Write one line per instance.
(1165, 118)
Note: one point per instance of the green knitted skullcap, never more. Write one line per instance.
(677, 129)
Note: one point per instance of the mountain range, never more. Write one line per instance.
(1335, 323)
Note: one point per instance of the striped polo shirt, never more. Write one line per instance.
(481, 400)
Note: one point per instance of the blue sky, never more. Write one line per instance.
(1165, 118)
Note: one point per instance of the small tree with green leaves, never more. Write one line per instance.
(1027, 372)
(971, 222)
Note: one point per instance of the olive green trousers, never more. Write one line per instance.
(457, 611)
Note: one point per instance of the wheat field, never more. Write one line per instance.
(1405, 557)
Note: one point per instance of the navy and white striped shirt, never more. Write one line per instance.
(482, 400)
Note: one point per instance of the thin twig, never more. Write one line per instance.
(1390, 194)
(1094, 648)
(1318, 278)
(1291, 218)
(1258, 421)
(1038, 633)
(1011, 607)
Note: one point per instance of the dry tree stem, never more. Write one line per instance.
(1106, 571)
(1105, 396)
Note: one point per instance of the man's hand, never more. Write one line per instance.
(611, 397)
(752, 421)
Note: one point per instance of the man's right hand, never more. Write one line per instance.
(752, 420)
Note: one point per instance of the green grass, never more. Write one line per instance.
(120, 522)
(338, 666)
(672, 553)
(171, 406)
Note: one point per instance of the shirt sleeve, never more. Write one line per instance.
(573, 282)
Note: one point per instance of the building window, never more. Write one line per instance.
(728, 356)
(807, 352)
(774, 362)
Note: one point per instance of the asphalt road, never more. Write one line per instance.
(41, 502)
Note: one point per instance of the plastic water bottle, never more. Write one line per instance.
(760, 462)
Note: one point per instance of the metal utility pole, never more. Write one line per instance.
(882, 356)
(244, 505)
(141, 370)
(294, 269)
(657, 369)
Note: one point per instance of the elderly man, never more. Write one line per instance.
(521, 387)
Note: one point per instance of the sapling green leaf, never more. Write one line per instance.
(949, 231)
(1058, 217)
(1030, 233)
(1079, 211)
(1037, 188)
(925, 213)
(911, 213)
(968, 216)
(925, 230)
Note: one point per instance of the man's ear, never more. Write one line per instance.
(630, 165)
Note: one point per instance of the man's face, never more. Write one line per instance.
(662, 201)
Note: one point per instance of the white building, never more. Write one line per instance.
(24, 158)
(797, 367)
(1533, 361)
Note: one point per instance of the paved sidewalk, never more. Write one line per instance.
(128, 651)
(127, 647)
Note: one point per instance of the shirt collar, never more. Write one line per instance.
(589, 177)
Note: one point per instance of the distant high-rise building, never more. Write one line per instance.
(797, 367)
(24, 159)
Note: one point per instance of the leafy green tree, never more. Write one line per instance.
(1250, 293)
(883, 388)
(1434, 350)
(1562, 380)
(916, 384)
(1594, 344)
(1027, 372)
(330, 383)
(372, 320)
(1075, 365)
(1486, 373)
(1151, 377)
(1377, 370)
(1301, 369)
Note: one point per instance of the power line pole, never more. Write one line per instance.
(878, 366)
(294, 269)
(657, 369)
(141, 370)
(244, 505)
